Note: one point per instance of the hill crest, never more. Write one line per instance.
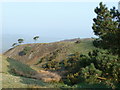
(32, 53)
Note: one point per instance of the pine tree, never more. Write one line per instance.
(107, 26)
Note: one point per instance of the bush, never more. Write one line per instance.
(98, 66)
(39, 61)
(78, 41)
(90, 74)
(25, 51)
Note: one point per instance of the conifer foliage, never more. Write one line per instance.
(107, 27)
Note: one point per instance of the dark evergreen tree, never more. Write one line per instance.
(107, 27)
(35, 38)
(20, 41)
(14, 44)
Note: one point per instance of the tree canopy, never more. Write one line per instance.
(107, 27)
(35, 38)
(20, 41)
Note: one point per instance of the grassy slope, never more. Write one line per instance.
(17, 81)
(83, 47)
(40, 50)
(11, 81)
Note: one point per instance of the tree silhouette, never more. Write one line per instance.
(35, 38)
(20, 41)
(14, 44)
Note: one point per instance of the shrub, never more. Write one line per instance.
(90, 74)
(39, 61)
(25, 51)
(98, 66)
(78, 41)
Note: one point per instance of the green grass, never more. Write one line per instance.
(10, 80)
(19, 66)
(83, 47)
(67, 48)
(85, 85)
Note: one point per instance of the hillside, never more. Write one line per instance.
(60, 64)
(10, 80)
(40, 56)
(24, 77)
(41, 62)
(59, 50)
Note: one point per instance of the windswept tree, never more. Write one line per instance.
(20, 41)
(14, 44)
(35, 38)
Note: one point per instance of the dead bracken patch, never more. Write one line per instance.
(47, 76)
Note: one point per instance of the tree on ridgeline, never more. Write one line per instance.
(20, 41)
(107, 27)
(14, 44)
(35, 38)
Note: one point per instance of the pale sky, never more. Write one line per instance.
(52, 21)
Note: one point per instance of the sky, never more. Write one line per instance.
(52, 21)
